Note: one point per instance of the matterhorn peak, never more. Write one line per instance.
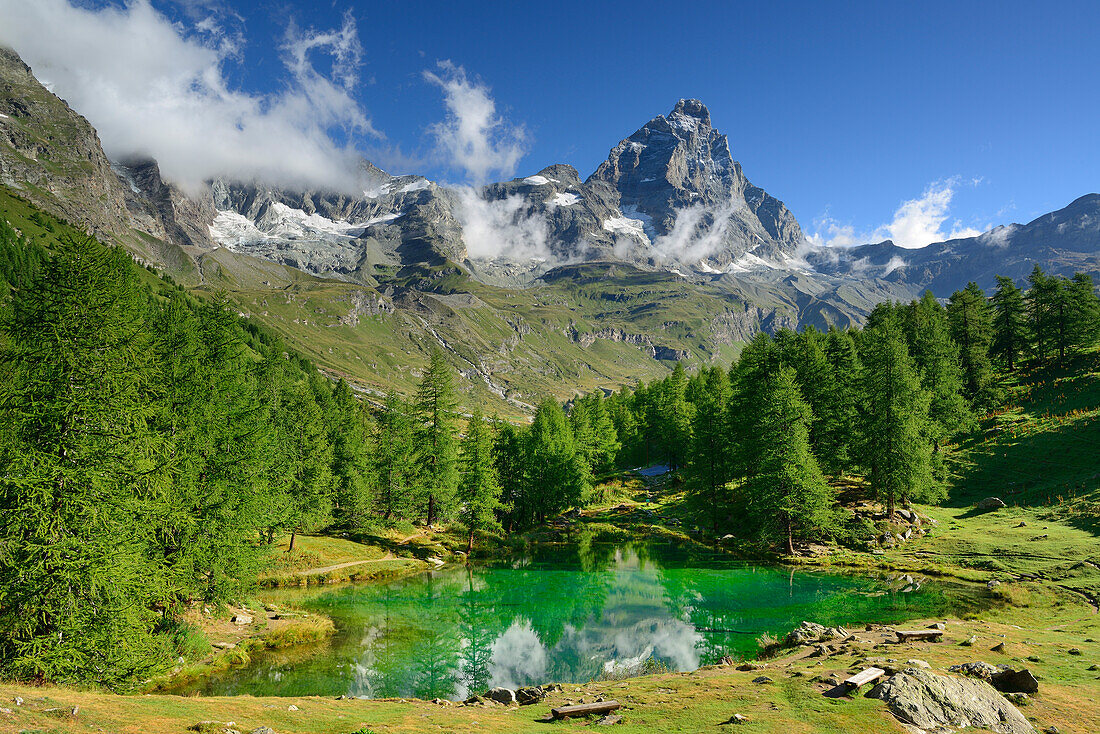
(692, 108)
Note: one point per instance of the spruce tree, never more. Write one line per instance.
(1009, 324)
(1084, 311)
(436, 405)
(1041, 299)
(788, 494)
(478, 490)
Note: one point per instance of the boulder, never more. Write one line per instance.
(806, 633)
(990, 503)
(530, 695)
(242, 619)
(1015, 681)
(501, 695)
(977, 669)
(762, 680)
(930, 701)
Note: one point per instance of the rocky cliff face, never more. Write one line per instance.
(677, 178)
(52, 156)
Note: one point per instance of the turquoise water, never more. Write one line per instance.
(565, 614)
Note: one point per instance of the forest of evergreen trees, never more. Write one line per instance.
(154, 446)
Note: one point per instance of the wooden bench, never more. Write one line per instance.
(906, 635)
(585, 709)
(863, 678)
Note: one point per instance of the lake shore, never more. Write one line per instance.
(1045, 621)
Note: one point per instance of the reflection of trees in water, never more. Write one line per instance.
(460, 631)
(477, 633)
(435, 653)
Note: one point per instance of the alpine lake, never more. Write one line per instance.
(566, 614)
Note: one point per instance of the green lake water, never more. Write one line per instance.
(563, 614)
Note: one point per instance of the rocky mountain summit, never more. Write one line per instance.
(669, 196)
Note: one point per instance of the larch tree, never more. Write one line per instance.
(436, 405)
(972, 329)
(478, 489)
(1010, 338)
(788, 493)
(894, 413)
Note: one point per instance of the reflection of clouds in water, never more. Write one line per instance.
(518, 656)
(365, 673)
(671, 640)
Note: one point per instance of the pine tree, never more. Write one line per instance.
(478, 490)
(510, 459)
(894, 414)
(789, 495)
(674, 417)
(348, 430)
(1009, 324)
(436, 404)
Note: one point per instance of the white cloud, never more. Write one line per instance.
(153, 87)
(501, 228)
(916, 223)
(693, 238)
(474, 138)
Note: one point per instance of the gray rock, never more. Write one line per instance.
(501, 695)
(977, 669)
(930, 701)
(529, 695)
(990, 503)
(263, 730)
(1015, 681)
(762, 680)
(609, 720)
(242, 619)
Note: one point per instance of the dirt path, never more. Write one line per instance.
(338, 566)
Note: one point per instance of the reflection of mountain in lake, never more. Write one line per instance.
(568, 614)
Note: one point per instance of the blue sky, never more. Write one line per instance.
(845, 111)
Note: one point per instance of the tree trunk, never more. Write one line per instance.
(292, 534)
(790, 538)
(470, 546)
(431, 508)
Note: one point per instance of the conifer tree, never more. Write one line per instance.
(478, 490)
(937, 360)
(436, 404)
(894, 414)
(709, 464)
(348, 430)
(839, 419)
(1041, 299)
(972, 329)
(396, 459)
(557, 475)
(1084, 311)
(81, 474)
(788, 494)
(510, 458)
(1009, 324)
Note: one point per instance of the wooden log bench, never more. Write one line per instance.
(862, 678)
(585, 709)
(906, 635)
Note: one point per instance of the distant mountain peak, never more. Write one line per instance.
(692, 108)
